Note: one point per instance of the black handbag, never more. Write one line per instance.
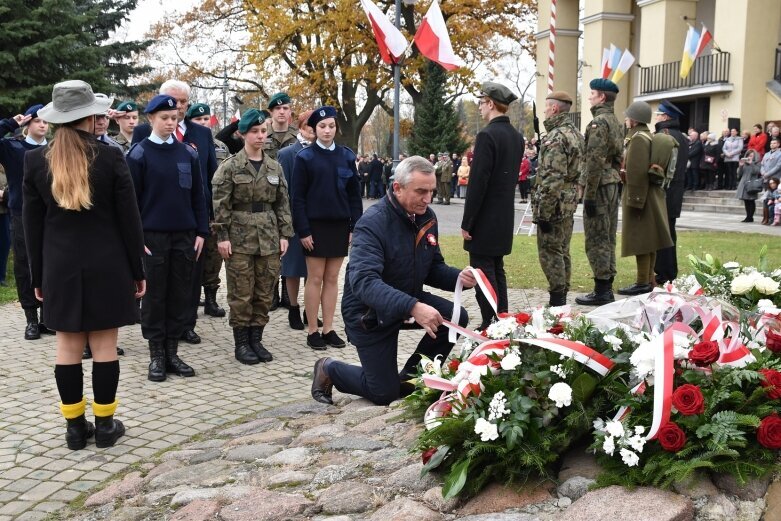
(754, 186)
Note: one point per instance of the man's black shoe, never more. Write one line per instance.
(635, 289)
(316, 342)
(596, 299)
(45, 330)
(32, 330)
(321, 383)
(190, 336)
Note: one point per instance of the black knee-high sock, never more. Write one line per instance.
(70, 383)
(105, 378)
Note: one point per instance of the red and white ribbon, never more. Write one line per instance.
(488, 293)
(624, 411)
(580, 352)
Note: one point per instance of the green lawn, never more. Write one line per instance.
(523, 267)
(8, 293)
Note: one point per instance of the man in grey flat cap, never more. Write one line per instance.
(489, 210)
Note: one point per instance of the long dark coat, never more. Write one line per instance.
(644, 227)
(84, 261)
(489, 210)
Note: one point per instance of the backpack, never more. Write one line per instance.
(664, 159)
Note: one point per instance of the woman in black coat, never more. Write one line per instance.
(84, 243)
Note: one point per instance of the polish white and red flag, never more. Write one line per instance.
(433, 41)
(391, 42)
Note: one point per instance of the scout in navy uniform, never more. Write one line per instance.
(126, 116)
(167, 178)
(253, 224)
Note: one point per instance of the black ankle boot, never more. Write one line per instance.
(210, 306)
(602, 294)
(294, 318)
(32, 331)
(284, 299)
(107, 431)
(242, 349)
(77, 432)
(157, 362)
(174, 364)
(557, 298)
(255, 337)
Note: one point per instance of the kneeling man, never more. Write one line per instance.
(395, 251)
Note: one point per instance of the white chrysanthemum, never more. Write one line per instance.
(643, 359)
(609, 445)
(637, 442)
(503, 328)
(614, 428)
(488, 431)
(510, 361)
(614, 342)
(561, 393)
(639, 429)
(742, 284)
(630, 458)
(766, 286)
(559, 370)
(498, 407)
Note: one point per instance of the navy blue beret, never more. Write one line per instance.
(603, 85)
(33, 111)
(160, 102)
(320, 114)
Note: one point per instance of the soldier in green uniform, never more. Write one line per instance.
(444, 171)
(282, 133)
(599, 183)
(126, 116)
(253, 224)
(555, 196)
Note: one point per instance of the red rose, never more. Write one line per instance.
(671, 437)
(688, 400)
(704, 353)
(453, 365)
(523, 318)
(772, 379)
(426, 456)
(773, 341)
(769, 432)
(556, 330)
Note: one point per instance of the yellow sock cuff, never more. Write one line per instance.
(73, 410)
(102, 410)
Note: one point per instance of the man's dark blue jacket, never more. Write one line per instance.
(390, 261)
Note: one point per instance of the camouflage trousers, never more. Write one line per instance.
(251, 280)
(212, 263)
(443, 189)
(553, 251)
(600, 232)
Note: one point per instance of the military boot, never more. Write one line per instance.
(157, 362)
(558, 298)
(174, 364)
(79, 429)
(602, 294)
(107, 429)
(255, 337)
(243, 351)
(32, 331)
(210, 306)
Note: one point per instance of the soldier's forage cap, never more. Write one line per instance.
(160, 102)
(249, 119)
(560, 95)
(127, 106)
(198, 110)
(497, 92)
(603, 84)
(71, 101)
(639, 111)
(320, 114)
(667, 108)
(280, 98)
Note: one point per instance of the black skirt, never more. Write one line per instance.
(331, 238)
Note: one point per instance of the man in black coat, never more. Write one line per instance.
(667, 121)
(489, 210)
(695, 151)
(200, 138)
(375, 177)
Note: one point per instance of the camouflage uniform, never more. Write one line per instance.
(600, 181)
(444, 171)
(252, 211)
(122, 141)
(277, 140)
(212, 263)
(555, 198)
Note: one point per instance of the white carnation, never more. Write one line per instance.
(643, 359)
(637, 442)
(741, 284)
(639, 429)
(609, 445)
(487, 430)
(510, 361)
(615, 428)
(614, 342)
(630, 458)
(561, 393)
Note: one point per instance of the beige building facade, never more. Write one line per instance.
(735, 83)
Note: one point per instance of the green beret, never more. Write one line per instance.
(198, 110)
(280, 98)
(127, 106)
(603, 85)
(497, 92)
(249, 119)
